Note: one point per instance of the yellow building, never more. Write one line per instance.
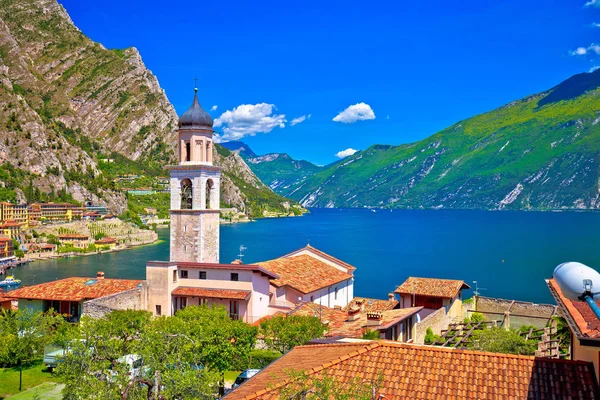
(10, 229)
(55, 212)
(14, 212)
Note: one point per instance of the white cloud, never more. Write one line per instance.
(594, 68)
(582, 51)
(592, 3)
(213, 108)
(595, 24)
(356, 112)
(387, 116)
(345, 153)
(298, 120)
(248, 120)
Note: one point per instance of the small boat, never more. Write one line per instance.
(10, 281)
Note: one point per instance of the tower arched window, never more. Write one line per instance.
(186, 194)
(188, 151)
(209, 186)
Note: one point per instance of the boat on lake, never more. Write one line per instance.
(10, 281)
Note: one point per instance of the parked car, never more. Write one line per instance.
(244, 376)
(135, 367)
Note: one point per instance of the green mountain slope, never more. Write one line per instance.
(67, 103)
(541, 152)
(279, 171)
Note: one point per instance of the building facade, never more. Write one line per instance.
(54, 212)
(14, 212)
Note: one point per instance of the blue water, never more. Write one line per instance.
(508, 253)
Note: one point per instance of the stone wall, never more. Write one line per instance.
(519, 312)
(437, 321)
(126, 300)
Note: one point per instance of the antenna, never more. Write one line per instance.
(477, 289)
(195, 83)
(241, 255)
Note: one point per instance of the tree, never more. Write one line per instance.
(430, 337)
(19, 253)
(24, 334)
(500, 340)
(371, 334)
(181, 356)
(282, 333)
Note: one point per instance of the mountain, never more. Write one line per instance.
(239, 147)
(75, 115)
(279, 171)
(541, 152)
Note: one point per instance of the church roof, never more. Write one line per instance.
(195, 117)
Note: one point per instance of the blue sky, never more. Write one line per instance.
(418, 66)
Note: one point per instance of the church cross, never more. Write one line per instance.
(196, 82)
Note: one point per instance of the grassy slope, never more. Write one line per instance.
(32, 376)
(547, 143)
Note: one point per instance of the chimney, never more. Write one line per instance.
(353, 313)
(374, 318)
(237, 262)
(361, 305)
(391, 296)
(99, 275)
(337, 307)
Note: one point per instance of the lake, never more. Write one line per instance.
(508, 253)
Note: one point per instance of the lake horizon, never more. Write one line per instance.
(509, 253)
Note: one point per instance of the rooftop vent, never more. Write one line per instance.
(91, 282)
(100, 275)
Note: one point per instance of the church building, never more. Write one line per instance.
(194, 274)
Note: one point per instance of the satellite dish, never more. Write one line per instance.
(577, 281)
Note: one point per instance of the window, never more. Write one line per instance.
(234, 276)
(158, 310)
(184, 274)
(175, 276)
(202, 275)
(312, 298)
(336, 290)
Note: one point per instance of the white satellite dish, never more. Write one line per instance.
(577, 280)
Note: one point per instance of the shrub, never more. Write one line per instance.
(430, 337)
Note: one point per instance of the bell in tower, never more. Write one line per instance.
(195, 188)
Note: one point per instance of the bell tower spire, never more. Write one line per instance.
(195, 187)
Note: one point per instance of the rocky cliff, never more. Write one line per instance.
(68, 106)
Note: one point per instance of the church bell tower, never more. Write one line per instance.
(195, 188)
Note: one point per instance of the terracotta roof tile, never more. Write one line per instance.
(446, 288)
(427, 372)
(304, 273)
(74, 289)
(320, 253)
(371, 304)
(338, 322)
(212, 293)
(585, 322)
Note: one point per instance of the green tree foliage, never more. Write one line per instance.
(24, 334)
(430, 337)
(182, 356)
(500, 340)
(282, 333)
(371, 334)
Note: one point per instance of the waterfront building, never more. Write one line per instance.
(14, 212)
(96, 208)
(68, 295)
(54, 212)
(433, 294)
(107, 241)
(11, 229)
(7, 251)
(584, 327)
(405, 371)
(74, 239)
(194, 274)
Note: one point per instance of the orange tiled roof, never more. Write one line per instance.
(428, 372)
(74, 289)
(371, 304)
(578, 314)
(212, 293)
(304, 273)
(320, 253)
(446, 288)
(10, 224)
(339, 325)
(106, 240)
